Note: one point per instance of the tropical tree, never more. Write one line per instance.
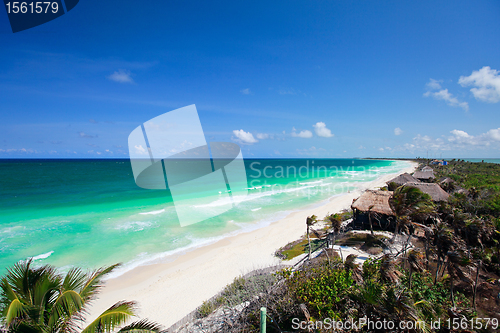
(350, 265)
(335, 222)
(40, 300)
(455, 262)
(414, 261)
(408, 202)
(443, 241)
(310, 221)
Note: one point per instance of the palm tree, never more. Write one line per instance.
(336, 223)
(310, 221)
(443, 240)
(388, 272)
(40, 300)
(456, 261)
(414, 261)
(350, 265)
(408, 202)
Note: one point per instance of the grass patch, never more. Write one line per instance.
(297, 248)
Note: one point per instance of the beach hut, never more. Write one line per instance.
(424, 176)
(427, 168)
(432, 189)
(403, 179)
(376, 203)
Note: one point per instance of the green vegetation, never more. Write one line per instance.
(297, 248)
(239, 291)
(38, 299)
(343, 291)
(452, 270)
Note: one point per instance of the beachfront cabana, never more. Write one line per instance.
(424, 176)
(432, 189)
(403, 179)
(426, 168)
(376, 203)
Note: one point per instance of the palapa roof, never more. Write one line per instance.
(432, 189)
(378, 199)
(403, 179)
(424, 174)
(428, 168)
(447, 180)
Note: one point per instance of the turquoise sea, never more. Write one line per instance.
(485, 160)
(90, 213)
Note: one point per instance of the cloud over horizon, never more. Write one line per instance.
(305, 134)
(244, 137)
(321, 130)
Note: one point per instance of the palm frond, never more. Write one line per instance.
(113, 317)
(92, 286)
(66, 305)
(16, 309)
(75, 279)
(142, 326)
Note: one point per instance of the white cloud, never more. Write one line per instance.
(398, 131)
(244, 137)
(458, 140)
(245, 91)
(321, 130)
(262, 136)
(486, 82)
(139, 149)
(493, 134)
(448, 98)
(121, 76)
(305, 134)
(434, 84)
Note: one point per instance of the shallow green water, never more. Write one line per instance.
(90, 213)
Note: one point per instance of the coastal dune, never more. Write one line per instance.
(166, 292)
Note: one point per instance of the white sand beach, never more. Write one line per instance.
(167, 292)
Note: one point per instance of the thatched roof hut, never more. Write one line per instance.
(424, 175)
(403, 179)
(427, 168)
(432, 189)
(447, 180)
(378, 199)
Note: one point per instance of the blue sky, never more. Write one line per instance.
(281, 78)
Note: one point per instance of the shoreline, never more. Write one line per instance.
(166, 292)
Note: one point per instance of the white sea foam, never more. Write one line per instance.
(241, 198)
(315, 182)
(43, 256)
(154, 212)
(256, 209)
(134, 225)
